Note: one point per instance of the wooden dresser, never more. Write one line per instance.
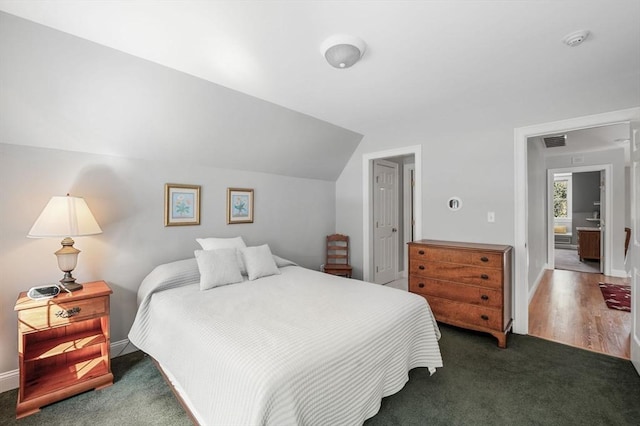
(63, 346)
(588, 243)
(467, 285)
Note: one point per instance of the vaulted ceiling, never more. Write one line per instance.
(421, 55)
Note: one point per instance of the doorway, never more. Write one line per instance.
(407, 156)
(579, 204)
(527, 274)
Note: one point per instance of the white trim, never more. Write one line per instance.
(367, 171)
(537, 282)
(11, 379)
(521, 134)
(406, 197)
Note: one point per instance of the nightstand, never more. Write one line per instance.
(63, 346)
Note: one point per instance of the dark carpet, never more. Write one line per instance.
(532, 382)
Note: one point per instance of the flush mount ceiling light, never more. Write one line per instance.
(342, 51)
(575, 38)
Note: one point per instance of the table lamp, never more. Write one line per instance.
(66, 217)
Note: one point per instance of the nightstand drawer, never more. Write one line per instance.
(59, 313)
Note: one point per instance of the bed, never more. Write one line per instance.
(297, 347)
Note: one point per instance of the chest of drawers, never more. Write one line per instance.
(466, 284)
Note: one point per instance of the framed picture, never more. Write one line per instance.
(239, 205)
(181, 204)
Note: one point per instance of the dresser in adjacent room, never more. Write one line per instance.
(466, 284)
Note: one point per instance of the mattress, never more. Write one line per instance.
(297, 348)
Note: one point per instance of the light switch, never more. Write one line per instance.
(491, 217)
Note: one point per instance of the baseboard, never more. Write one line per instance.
(619, 273)
(537, 283)
(11, 379)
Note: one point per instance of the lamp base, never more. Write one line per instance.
(70, 287)
(69, 283)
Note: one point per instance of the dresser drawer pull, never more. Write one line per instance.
(421, 267)
(484, 317)
(420, 251)
(484, 297)
(484, 259)
(421, 285)
(68, 313)
(484, 276)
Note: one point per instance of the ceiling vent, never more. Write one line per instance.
(555, 141)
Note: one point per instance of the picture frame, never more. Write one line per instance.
(239, 205)
(181, 204)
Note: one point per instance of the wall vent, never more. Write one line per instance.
(555, 141)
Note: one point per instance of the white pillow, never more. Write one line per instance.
(220, 243)
(259, 262)
(218, 267)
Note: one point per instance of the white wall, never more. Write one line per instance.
(468, 151)
(537, 215)
(126, 196)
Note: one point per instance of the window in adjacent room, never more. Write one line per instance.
(562, 195)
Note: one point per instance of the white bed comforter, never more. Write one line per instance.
(299, 348)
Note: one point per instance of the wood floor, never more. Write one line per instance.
(568, 308)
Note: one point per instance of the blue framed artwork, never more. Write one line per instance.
(239, 205)
(182, 204)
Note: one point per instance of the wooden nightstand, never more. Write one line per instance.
(63, 346)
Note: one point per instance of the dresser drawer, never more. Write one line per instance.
(458, 313)
(466, 257)
(485, 277)
(61, 313)
(457, 292)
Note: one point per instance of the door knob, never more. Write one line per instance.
(394, 230)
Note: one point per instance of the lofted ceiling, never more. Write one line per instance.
(420, 54)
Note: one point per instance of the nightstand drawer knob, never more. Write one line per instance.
(484, 259)
(421, 285)
(68, 313)
(484, 317)
(484, 276)
(420, 251)
(484, 297)
(421, 267)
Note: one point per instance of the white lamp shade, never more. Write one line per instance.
(65, 217)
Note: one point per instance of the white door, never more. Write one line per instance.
(603, 228)
(634, 246)
(385, 221)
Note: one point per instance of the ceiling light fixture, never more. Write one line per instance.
(575, 38)
(342, 51)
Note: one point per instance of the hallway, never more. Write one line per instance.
(568, 308)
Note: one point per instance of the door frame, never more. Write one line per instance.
(367, 199)
(608, 239)
(521, 293)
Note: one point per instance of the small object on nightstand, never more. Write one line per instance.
(43, 292)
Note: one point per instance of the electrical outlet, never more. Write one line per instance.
(491, 217)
